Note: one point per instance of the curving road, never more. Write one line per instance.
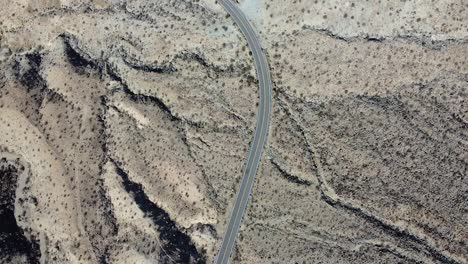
(261, 131)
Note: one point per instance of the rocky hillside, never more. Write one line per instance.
(125, 126)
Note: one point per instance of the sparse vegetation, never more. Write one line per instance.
(125, 128)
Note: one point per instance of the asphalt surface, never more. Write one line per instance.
(261, 131)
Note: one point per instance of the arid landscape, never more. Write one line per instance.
(125, 127)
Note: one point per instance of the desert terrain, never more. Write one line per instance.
(125, 126)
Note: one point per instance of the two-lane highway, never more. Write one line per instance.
(261, 131)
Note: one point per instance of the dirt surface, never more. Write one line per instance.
(125, 126)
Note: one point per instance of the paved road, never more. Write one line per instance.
(261, 131)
